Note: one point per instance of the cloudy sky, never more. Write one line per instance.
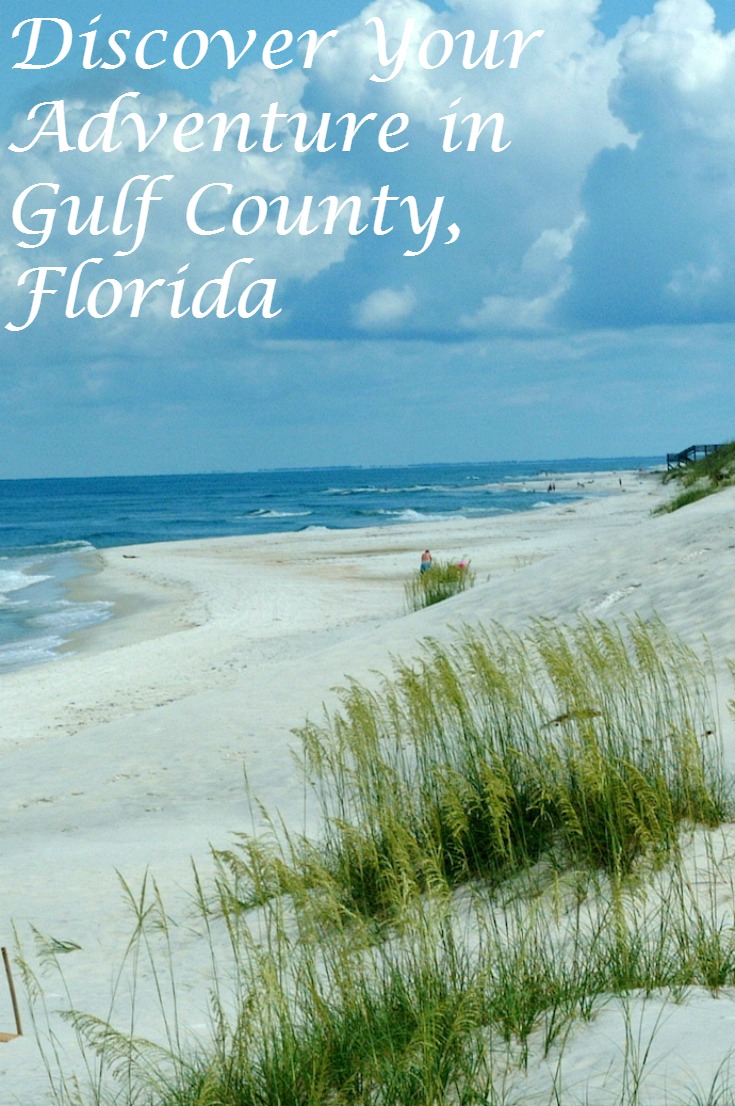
(564, 288)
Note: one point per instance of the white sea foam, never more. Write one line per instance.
(37, 619)
(66, 616)
(409, 515)
(19, 654)
(15, 579)
(376, 489)
(263, 512)
(78, 545)
(508, 486)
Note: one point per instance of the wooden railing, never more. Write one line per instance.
(691, 453)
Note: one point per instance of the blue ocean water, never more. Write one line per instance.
(51, 529)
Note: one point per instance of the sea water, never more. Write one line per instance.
(50, 530)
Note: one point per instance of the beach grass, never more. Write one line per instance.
(507, 838)
(701, 478)
(689, 495)
(423, 1016)
(592, 743)
(443, 580)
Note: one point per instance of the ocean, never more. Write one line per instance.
(51, 530)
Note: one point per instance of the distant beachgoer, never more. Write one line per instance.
(426, 561)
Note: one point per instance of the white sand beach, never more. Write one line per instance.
(128, 754)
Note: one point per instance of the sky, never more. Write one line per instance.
(521, 255)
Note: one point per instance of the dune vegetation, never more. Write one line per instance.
(701, 478)
(443, 580)
(505, 831)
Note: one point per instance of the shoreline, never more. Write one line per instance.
(195, 615)
(128, 754)
(107, 609)
(141, 608)
(147, 606)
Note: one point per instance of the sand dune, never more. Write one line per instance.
(128, 753)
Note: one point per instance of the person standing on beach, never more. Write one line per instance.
(426, 561)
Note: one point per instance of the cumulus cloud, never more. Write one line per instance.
(659, 241)
(385, 309)
(227, 176)
(508, 206)
(542, 279)
(556, 116)
(612, 207)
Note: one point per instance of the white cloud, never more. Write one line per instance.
(543, 277)
(513, 313)
(691, 282)
(508, 204)
(576, 214)
(385, 309)
(659, 245)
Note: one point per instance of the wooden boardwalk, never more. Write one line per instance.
(691, 453)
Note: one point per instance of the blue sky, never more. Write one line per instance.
(587, 306)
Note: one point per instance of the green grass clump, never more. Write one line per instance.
(683, 499)
(500, 848)
(592, 744)
(701, 478)
(479, 757)
(423, 1018)
(443, 580)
